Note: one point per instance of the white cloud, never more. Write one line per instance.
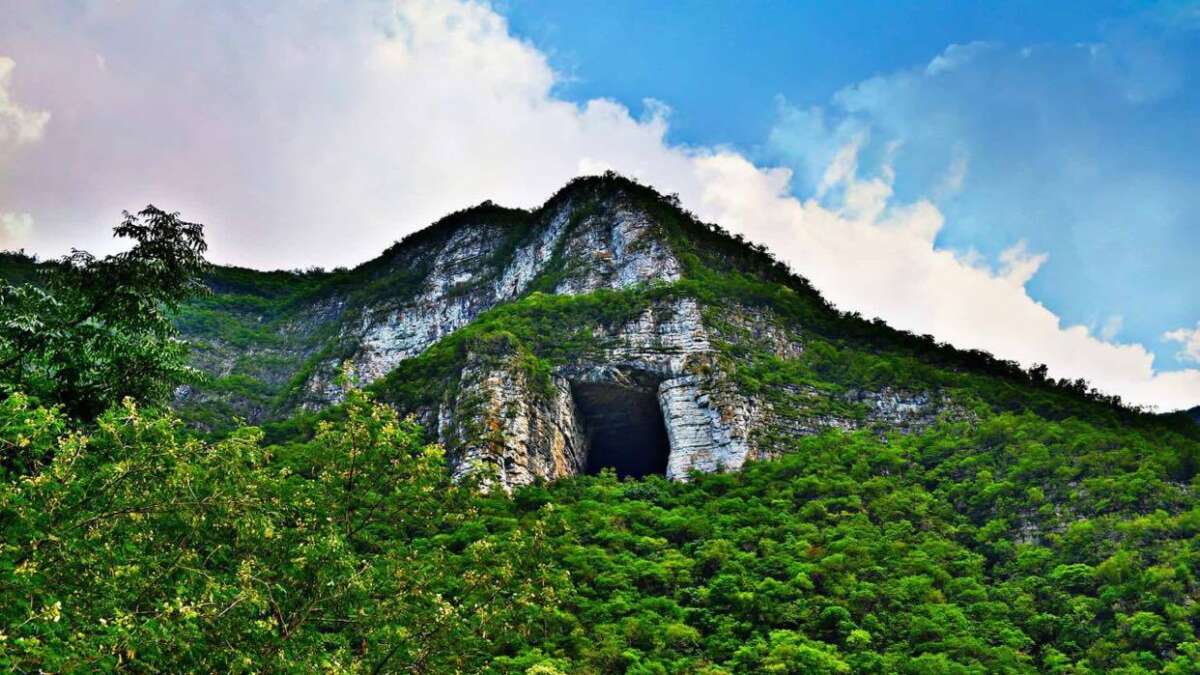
(890, 268)
(17, 125)
(1190, 339)
(955, 56)
(843, 165)
(1112, 326)
(15, 229)
(329, 131)
(1019, 265)
(952, 180)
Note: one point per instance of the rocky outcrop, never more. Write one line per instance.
(662, 382)
(709, 427)
(520, 433)
(614, 246)
(509, 428)
(517, 432)
(617, 250)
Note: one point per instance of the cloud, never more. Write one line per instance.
(1019, 264)
(321, 133)
(955, 56)
(1084, 151)
(890, 267)
(317, 134)
(955, 175)
(1112, 326)
(1190, 339)
(15, 229)
(17, 124)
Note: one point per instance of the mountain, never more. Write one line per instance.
(607, 328)
(898, 505)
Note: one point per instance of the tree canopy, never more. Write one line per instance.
(94, 330)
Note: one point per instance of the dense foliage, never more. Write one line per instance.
(95, 330)
(1044, 529)
(1013, 545)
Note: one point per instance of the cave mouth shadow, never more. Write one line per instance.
(625, 428)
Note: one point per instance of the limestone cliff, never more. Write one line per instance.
(660, 385)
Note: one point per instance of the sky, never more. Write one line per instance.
(1017, 177)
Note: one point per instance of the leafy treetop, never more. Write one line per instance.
(96, 330)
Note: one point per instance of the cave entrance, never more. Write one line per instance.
(624, 427)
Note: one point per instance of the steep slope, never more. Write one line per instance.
(427, 286)
(542, 344)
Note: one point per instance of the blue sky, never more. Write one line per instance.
(1096, 167)
(1017, 177)
(722, 64)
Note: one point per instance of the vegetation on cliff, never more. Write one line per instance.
(267, 333)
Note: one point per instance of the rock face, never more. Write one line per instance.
(655, 361)
(657, 395)
(662, 366)
(501, 420)
(616, 245)
(610, 246)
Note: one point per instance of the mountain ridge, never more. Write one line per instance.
(434, 324)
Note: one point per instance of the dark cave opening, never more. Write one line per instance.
(625, 429)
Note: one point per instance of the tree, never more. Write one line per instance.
(96, 330)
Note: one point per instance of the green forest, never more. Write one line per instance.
(1053, 530)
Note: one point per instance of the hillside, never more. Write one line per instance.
(706, 468)
(524, 339)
